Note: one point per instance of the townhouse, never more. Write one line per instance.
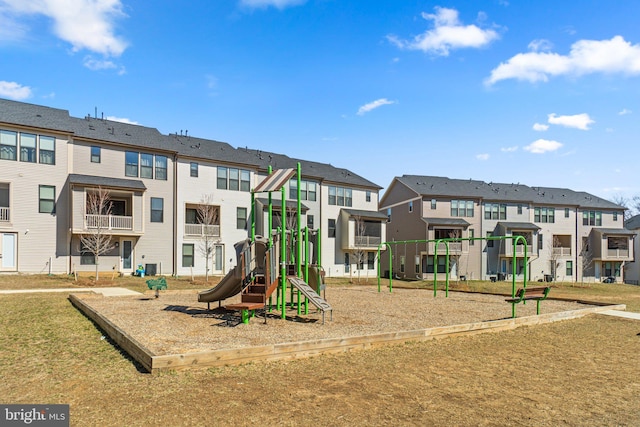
(567, 235)
(176, 203)
(632, 268)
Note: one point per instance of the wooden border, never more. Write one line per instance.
(283, 351)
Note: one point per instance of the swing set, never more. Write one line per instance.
(446, 242)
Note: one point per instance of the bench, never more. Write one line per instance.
(157, 285)
(536, 294)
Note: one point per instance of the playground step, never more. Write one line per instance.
(256, 289)
(244, 306)
(253, 298)
(260, 279)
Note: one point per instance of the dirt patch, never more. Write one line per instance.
(177, 323)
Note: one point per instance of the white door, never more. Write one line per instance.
(8, 251)
(126, 255)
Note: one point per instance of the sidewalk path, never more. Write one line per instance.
(107, 292)
(625, 314)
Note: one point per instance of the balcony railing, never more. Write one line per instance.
(508, 250)
(617, 253)
(367, 241)
(453, 247)
(4, 214)
(201, 230)
(109, 222)
(562, 251)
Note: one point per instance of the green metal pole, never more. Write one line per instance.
(513, 277)
(319, 255)
(390, 269)
(306, 266)
(283, 252)
(379, 264)
(270, 214)
(299, 225)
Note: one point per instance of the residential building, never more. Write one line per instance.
(566, 235)
(632, 268)
(177, 203)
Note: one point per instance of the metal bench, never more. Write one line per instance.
(536, 294)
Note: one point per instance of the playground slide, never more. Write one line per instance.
(229, 286)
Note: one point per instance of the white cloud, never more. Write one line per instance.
(578, 121)
(542, 146)
(483, 156)
(122, 120)
(509, 149)
(624, 112)
(13, 90)
(448, 33)
(212, 81)
(540, 45)
(279, 4)
(86, 24)
(586, 57)
(373, 105)
(540, 127)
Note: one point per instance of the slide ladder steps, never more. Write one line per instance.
(311, 295)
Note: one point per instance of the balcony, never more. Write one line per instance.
(367, 241)
(562, 252)
(617, 253)
(4, 214)
(200, 230)
(454, 247)
(108, 222)
(508, 250)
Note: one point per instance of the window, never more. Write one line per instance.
(27, 148)
(234, 179)
(309, 221)
(472, 234)
(241, 218)
(495, 211)
(187, 255)
(566, 212)
(47, 150)
(332, 228)
(193, 169)
(8, 145)
(95, 154)
(569, 268)
(402, 262)
(47, 195)
(371, 260)
(615, 216)
(592, 218)
(411, 206)
(540, 241)
(157, 209)
(462, 208)
(546, 215)
(245, 183)
(131, 164)
(442, 268)
(388, 214)
(86, 256)
(222, 178)
(519, 209)
(146, 165)
(340, 196)
(307, 190)
(433, 203)
(161, 168)
(367, 196)
(489, 242)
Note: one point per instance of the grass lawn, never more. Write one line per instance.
(572, 373)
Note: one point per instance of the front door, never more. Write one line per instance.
(8, 252)
(126, 255)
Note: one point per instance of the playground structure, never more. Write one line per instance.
(515, 240)
(266, 264)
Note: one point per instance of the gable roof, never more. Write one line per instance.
(142, 137)
(434, 186)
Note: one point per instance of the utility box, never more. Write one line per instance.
(150, 269)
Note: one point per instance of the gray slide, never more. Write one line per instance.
(230, 285)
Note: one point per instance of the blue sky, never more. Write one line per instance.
(537, 92)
